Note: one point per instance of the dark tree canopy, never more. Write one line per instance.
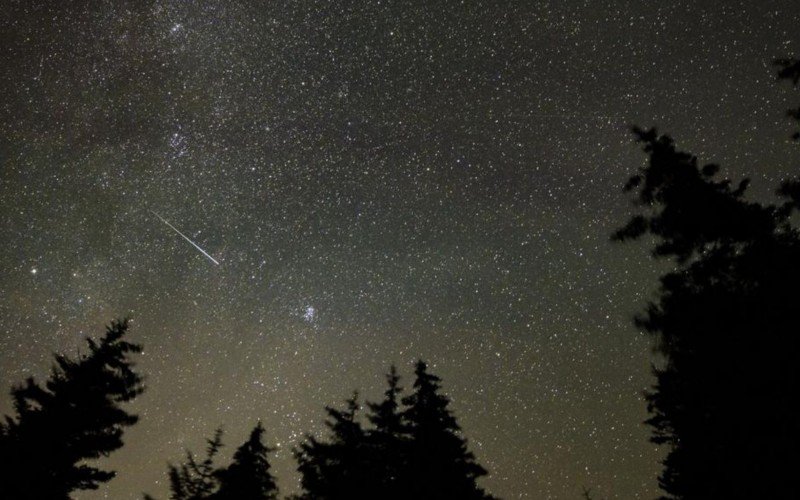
(440, 464)
(790, 70)
(725, 321)
(247, 477)
(388, 441)
(410, 451)
(385, 415)
(337, 468)
(46, 449)
(195, 480)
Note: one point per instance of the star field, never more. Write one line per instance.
(380, 181)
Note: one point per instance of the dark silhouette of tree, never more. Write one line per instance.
(790, 188)
(413, 449)
(790, 70)
(195, 480)
(725, 322)
(388, 443)
(248, 476)
(386, 416)
(336, 468)
(440, 466)
(76, 417)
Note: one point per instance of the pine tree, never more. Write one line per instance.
(248, 476)
(385, 416)
(195, 480)
(76, 417)
(440, 464)
(388, 443)
(337, 468)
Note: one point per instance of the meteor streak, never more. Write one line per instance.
(165, 221)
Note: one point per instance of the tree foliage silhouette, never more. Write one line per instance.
(388, 442)
(195, 480)
(725, 322)
(76, 417)
(337, 468)
(440, 464)
(386, 416)
(410, 451)
(247, 477)
(790, 70)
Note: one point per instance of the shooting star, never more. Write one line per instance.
(165, 221)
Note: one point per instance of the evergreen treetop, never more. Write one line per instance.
(76, 417)
(248, 476)
(412, 450)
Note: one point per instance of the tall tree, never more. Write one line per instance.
(440, 466)
(336, 468)
(75, 418)
(725, 325)
(195, 480)
(248, 476)
(388, 443)
(385, 416)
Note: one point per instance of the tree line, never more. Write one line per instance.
(410, 447)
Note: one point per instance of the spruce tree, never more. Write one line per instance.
(337, 468)
(48, 447)
(388, 443)
(248, 476)
(386, 416)
(195, 480)
(440, 466)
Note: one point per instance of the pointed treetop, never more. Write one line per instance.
(385, 416)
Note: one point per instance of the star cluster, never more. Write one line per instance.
(380, 181)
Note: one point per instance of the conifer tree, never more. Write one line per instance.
(386, 415)
(337, 468)
(440, 466)
(725, 324)
(195, 480)
(414, 449)
(388, 443)
(77, 417)
(248, 476)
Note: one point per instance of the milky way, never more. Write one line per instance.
(380, 181)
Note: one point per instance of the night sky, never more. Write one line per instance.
(380, 181)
